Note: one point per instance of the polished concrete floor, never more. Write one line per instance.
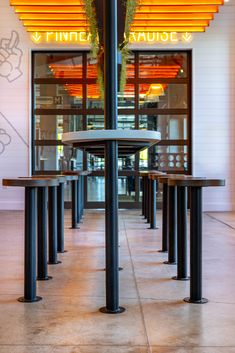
(156, 319)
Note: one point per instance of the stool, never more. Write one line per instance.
(195, 186)
(31, 186)
(57, 231)
(74, 194)
(77, 194)
(169, 217)
(153, 188)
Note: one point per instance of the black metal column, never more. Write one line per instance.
(52, 221)
(172, 224)
(182, 251)
(79, 198)
(165, 228)
(74, 204)
(60, 218)
(145, 181)
(111, 159)
(147, 200)
(42, 270)
(153, 209)
(82, 195)
(143, 195)
(196, 247)
(30, 247)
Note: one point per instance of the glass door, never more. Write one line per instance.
(67, 97)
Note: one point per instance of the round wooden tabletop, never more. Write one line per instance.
(30, 182)
(60, 178)
(164, 178)
(196, 182)
(77, 172)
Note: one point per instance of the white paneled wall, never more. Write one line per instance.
(213, 108)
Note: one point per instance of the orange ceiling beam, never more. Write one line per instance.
(174, 15)
(182, 2)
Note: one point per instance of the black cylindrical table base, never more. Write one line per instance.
(52, 221)
(30, 247)
(182, 268)
(172, 224)
(196, 247)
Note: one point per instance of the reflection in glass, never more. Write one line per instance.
(51, 127)
(95, 122)
(58, 65)
(163, 96)
(94, 100)
(55, 158)
(126, 99)
(171, 158)
(171, 127)
(58, 96)
(167, 65)
(126, 122)
(96, 189)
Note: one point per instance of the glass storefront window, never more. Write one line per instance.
(58, 96)
(163, 96)
(96, 189)
(94, 100)
(58, 65)
(126, 100)
(51, 127)
(171, 158)
(171, 127)
(167, 65)
(126, 122)
(95, 122)
(55, 158)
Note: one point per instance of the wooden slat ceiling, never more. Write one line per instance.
(174, 15)
(52, 15)
(151, 15)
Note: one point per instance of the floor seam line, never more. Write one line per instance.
(218, 220)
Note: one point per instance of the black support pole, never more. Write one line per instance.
(74, 204)
(143, 195)
(111, 159)
(182, 258)
(52, 221)
(60, 218)
(42, 271)
(153, 218)
(172, 224)
(79, 198)
(30, 247)
(196, 247)
(165, 228)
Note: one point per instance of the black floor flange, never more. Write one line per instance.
(62, 252)
(170, 263)
(181, 279)
(104, 310)
(77, 227)
(200, 301)
(45, 278)
(163, 251)
(153, 228)
(119, 269)
(23, 300)
(55, 263)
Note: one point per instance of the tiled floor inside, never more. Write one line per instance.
(156, 320)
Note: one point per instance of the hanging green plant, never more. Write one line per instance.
(131, 6)
(91, 16)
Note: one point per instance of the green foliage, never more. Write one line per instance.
(131, 6)
(91, 15)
